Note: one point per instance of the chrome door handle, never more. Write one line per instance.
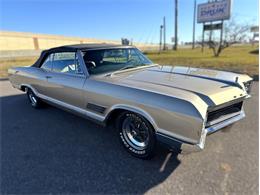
(48, 77)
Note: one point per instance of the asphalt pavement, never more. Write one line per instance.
(52, 151)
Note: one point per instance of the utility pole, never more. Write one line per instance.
(203, 33)
(160, 46)
(210, 32)
(194, 23)
(221, 35)
(176, 25)
(164, 34)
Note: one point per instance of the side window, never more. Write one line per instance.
(66, 62)
(47, 64)
(133, 56)
(115, 56)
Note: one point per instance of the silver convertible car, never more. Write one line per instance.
(145, 102)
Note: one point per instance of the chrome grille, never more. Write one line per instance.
(223, 113)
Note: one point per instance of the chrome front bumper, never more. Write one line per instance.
(187, 148)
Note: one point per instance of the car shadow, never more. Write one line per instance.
(52, 151)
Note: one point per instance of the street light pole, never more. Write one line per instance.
(160, 41)
(194, 23)
(164, 34)
(176, 25)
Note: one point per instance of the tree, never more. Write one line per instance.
(233, 33)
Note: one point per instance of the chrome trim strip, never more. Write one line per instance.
(82, 63)
(82, 75)
(73, 108)
(133, 109)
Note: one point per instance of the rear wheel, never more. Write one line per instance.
(136, 134)
(33, 99)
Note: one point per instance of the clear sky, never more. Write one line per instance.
(110, 19)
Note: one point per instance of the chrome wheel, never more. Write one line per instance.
(135, 132)
(32, 98)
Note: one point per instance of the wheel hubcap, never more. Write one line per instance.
(32, 98)
(135, 132)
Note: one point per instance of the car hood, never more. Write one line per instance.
(213, 87)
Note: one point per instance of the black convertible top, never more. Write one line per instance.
(74, 48)
(87, 46)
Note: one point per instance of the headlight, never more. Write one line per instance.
(248, 86)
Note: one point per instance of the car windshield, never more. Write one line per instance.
(110, 60)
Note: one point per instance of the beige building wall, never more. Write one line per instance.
(10, 41)
(13, 41)
(49, 43)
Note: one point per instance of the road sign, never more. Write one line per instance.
(213, 11)
(212, 26)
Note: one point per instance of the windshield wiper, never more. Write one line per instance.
(131, 66)
(125, 68)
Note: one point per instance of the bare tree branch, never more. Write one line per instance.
(233, 33)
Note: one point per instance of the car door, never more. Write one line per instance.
(66, 79)
(39, 81)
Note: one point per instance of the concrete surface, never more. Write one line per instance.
(52, 151)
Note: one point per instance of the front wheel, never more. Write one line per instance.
(136, 134)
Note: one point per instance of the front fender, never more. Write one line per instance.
(169, 120)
